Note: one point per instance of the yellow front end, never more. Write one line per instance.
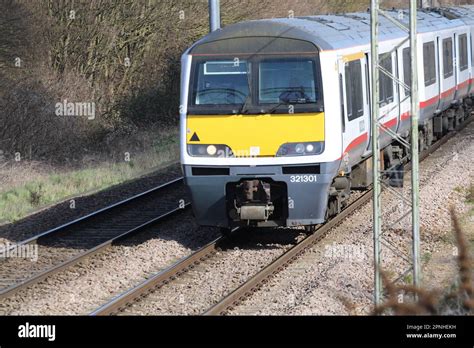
(256, 135)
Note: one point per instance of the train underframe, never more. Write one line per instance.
(262, 196)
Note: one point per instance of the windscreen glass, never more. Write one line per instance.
(288, 80)
(255, 84)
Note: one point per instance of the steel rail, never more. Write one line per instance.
(12, 289)
(87, 217)
(161, 278)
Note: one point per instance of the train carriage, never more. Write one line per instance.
(275, 113)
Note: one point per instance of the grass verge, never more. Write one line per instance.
(39, 190)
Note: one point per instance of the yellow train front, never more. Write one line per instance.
(253, 135)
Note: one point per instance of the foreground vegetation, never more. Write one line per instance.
(458, 299)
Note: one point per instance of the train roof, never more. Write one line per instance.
(464, 13)
(330, 32)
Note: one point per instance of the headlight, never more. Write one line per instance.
(209, 150)
(301, 149)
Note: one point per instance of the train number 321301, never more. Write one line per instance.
(303, 178)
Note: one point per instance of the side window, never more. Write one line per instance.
(407, 67)
(463, 56)
(448, 58)
(386, 83)
(354, 91)
(429, 63)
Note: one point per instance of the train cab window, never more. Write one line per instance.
(407, 68)
(463, 54)
(386, 95)
(354, 91)
(288, 80)
(429, 63)
(448, 70)
(221, 83)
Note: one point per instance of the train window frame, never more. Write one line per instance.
(386, 88)
(463, 52)
(406, 68)
(354, 89)
(429, 63)
(448, 60)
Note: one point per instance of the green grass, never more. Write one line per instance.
(470, 194)
(426, 257)
(41, 191)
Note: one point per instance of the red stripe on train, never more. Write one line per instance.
(393, 122)
(463, 84)
(448, 93)
(445, 94)
(429, 102)
(357, 141)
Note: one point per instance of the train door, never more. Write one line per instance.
(430, 83)
(462, 67)
(388, 97)
(404, 63)
(471, 68)
(447, 76)
(439, 54)
(352, 73)
(456, 65)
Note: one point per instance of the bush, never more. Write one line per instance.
(458, 300)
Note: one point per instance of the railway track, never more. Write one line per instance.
(160, 279)
(69, 244)
(126, 300)
(170, 274)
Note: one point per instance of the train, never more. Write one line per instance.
(275, 119)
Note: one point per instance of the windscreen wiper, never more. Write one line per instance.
(244, 108)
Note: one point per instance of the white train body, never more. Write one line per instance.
(302, 150)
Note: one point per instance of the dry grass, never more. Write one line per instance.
(26, 187)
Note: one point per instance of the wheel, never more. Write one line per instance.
(332, 208)
(421, 141)
(429, 137)
(309, 229)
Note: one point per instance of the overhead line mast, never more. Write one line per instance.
(214, 15)
(376, 71)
